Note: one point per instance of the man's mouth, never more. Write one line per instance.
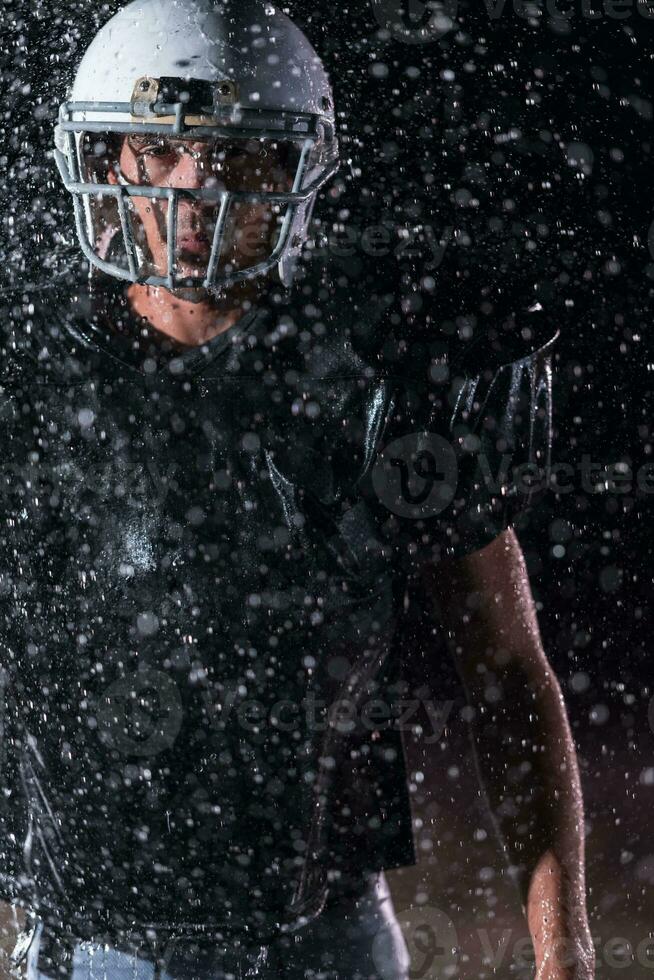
(194, 243)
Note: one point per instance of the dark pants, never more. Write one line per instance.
(356, 937)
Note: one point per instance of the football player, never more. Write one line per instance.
(224, 463)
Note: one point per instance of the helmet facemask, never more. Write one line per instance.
(236, 207)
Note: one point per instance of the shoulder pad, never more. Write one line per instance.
(487, 341)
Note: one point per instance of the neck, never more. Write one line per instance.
(190, 323)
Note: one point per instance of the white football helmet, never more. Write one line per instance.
(195, 70)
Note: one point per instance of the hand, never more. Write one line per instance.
(558, 923)
(565, 959)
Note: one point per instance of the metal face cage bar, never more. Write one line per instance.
(270, 125)
(265, 122)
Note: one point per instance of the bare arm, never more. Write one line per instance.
(524, 745)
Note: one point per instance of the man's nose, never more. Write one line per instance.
(189, 171)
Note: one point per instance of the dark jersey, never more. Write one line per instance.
(202, 561)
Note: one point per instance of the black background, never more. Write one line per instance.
(443, 108)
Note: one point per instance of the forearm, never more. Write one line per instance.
(524, 746)
(528, 766)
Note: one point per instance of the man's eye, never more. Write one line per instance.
(156, 150)
(151, 149)
(226, 154)
(234, 152)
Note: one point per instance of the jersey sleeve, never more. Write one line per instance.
(463, 458)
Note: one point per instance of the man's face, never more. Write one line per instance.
(236, 165)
